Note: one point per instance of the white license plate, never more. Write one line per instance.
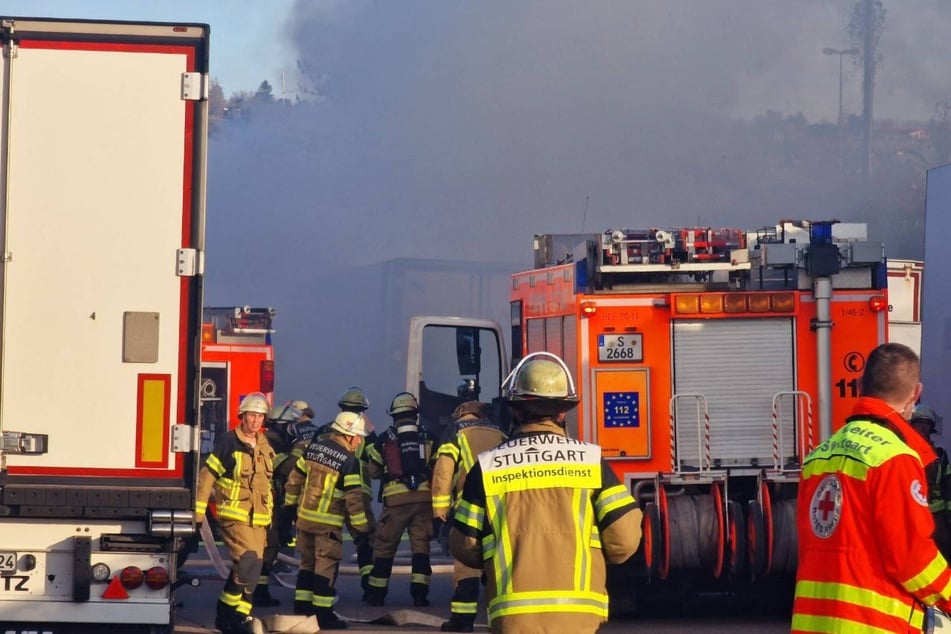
(8, 562)
(621, 348)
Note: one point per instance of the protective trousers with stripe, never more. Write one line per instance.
(416, 518)
(320, 554)
(465, 595)
(245, 545)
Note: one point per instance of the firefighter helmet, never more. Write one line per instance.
(925, 414)
(354, 398)
(470, 408)
(541, 383)
(351, 424)
(403, 403)
(301, 405)
(254, 402)
(286, 413)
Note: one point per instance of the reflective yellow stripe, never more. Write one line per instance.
(927, 576)
(836, 464)
(853, 594)
(813, 623)
(459, 607)
(495, 511)
(470, 515)
(448, 449)
(419, 578)
(611, 499)
(465, 451)
(214, 464)
(322, 601)
(441, 501)
(303, 595)
(548, 601)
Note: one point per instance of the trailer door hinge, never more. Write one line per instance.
(189, 262)
(194, 86)
(185, 438)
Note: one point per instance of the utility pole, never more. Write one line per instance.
(868, 85)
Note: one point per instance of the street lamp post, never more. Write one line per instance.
(841, 53)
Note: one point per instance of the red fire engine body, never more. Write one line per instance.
(708, 363)
(237, 358)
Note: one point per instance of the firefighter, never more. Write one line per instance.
(400, 458)
(926, 422)
(299, 433)
(323, 490)
(239, 471)
(543, 514)
(472, 433)
(354, 399)
(867, 560)
(276, 423)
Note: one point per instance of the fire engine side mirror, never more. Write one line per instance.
(468, 352)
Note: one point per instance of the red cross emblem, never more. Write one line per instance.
(825, 508)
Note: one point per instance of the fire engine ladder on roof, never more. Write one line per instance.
(705, 471)
(801, 413)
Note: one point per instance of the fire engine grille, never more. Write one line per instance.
(738, 365)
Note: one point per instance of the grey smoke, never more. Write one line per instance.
(456, 131)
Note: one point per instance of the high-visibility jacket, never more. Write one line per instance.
(240, 476)
(325, 485)
(543, 514)
(456, 456)
(867, 561)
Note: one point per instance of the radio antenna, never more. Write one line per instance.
(584, 217)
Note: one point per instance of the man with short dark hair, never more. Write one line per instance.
(867, 560)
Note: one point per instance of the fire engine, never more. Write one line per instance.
(709, 362)
(237, 358)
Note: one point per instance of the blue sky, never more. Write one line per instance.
(248, 40)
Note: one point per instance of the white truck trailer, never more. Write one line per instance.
(103, 129)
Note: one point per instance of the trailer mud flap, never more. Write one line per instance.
(82, 550)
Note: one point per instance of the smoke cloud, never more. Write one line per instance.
(457, 131)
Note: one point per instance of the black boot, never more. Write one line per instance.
(457, 623)
(262, 597)
(374, 596)
(328, 620)
(224, 617)
(244, 624)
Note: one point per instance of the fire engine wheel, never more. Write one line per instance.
(694, 532)
(756, 538)
(653, 547)
(717, 499)
(737, 539)
(663, 568)
(767, 503)
(785, 541)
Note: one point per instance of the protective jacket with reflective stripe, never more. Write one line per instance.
(542, 514)
(325, 485)
(867, 561)
(240, 476)
(456, 457)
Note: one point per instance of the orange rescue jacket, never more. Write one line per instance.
(867, 561)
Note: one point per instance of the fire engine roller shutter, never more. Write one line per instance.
(738, 365)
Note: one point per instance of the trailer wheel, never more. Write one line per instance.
(737, 539)
(756, 538)
(653, 539)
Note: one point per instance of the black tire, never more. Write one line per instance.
(652, 539)
(736, 529)
(756, 538)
